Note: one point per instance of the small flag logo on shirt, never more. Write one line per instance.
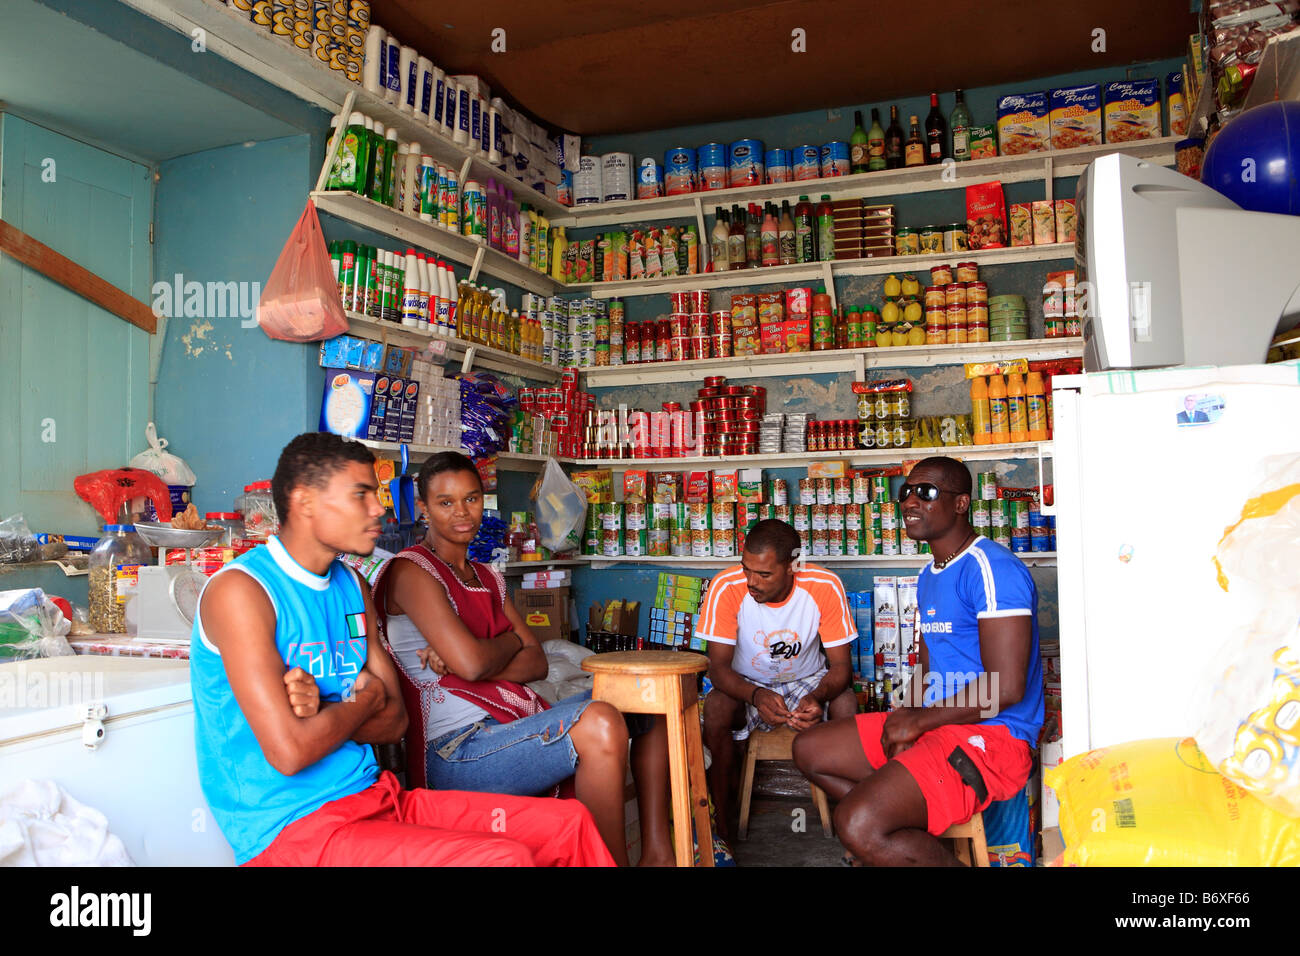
(357, 625)
(929, 612)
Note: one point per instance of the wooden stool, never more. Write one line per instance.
(775, 744)
(968, 840)
(663, 682)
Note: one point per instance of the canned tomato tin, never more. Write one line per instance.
(680, 171)
(734, 390)
(709, 392)
(954, 238)
(968, 272)
(806, 162)
(941, 275)
(778, 166)
(935, 297)
(745, 162)
(649, 179)
(756, 392)
(712, 160)
(834, 158)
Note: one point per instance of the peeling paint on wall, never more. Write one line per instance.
(198, 332)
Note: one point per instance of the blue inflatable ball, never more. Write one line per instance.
(1255, 159)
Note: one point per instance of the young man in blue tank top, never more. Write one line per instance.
(291, 687)
(971, 716)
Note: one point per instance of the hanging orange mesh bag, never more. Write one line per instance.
(300, 302)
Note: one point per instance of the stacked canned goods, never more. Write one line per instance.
(730, 415)
(884, 414)
(1060, 311)
(832, 435)
(1011, 517)
(849, 516)
(333, 31)
(568, 411)
(956, 305)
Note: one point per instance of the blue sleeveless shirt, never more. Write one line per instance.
(320, 626)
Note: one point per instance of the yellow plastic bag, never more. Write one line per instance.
(1161, 803)
(1250, 719)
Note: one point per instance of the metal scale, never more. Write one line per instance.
(167, 595)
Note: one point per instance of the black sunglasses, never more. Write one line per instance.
(924, 491)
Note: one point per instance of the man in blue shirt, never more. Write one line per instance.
(971, 716)
(291, 687)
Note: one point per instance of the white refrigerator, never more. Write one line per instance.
(1150, 468)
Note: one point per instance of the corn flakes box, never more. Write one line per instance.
(1132, 110)
(1023, 124)
(1075, 116)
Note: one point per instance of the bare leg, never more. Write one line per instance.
(844, 705)
(882, 822)
(600, 738)
(650, 772)
(721, 714)
(831, 756)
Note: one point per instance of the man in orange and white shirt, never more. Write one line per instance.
(768, 623)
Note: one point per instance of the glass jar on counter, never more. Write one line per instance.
(114, 568)
(258, 508)
(232, 522)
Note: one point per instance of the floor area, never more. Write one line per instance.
(784, 827)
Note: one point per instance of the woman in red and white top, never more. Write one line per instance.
(779, 634)
(470, 655)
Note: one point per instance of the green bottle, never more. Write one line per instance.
(336, 257)
(389, 197)
(347, 272)
(375, 137)
(858, 155)
(875, 144)
(959, 125)
(354, 154)
(383, 161)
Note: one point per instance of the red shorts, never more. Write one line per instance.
(385, 825)
(1003, 761)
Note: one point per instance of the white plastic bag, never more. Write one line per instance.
(561, 509)
(172, 470)
(1250, 727)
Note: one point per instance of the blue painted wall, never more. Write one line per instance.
(228, 397)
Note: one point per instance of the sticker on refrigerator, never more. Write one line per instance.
(1199, 410)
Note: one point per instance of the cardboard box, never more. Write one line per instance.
(546, 612)
(615, 617)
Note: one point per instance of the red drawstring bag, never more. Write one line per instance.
(300, 302)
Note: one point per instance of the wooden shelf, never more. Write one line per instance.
(599, 562)
(861, 456)
(470, 354)
(1049, 164)
(832, 361)
(816, 271)
(507, 461)
(408, 230)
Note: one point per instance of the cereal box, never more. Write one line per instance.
(1044, 217)
(1022, 124)
(1022, 224)
(1065, 220)
(983, 142)
(1176, 97)
(1075, 116)
(1132, 110)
